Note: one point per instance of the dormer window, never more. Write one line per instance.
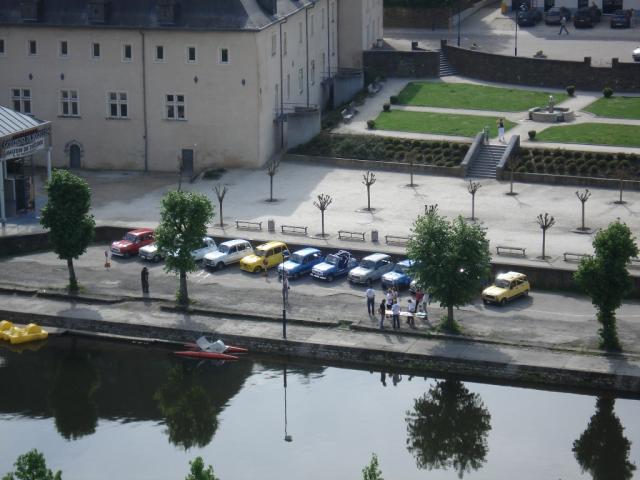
(98, 11)
(29, 10)
(167, 12)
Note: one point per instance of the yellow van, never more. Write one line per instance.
(274, 252)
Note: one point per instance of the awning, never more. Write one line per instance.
(20, 134)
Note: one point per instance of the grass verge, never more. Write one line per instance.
(593, 134)
(616, 107)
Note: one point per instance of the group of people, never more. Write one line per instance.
(392, 303)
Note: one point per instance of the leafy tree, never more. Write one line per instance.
(605, 278)
(372, 471)
(448, 428)
(32, 466)
(66, 215)
(198, 472)
(602, 449)
(451, 260)
(184, 218)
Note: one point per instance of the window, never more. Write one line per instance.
(69, 103)
(335, 43)
(224, 55)
(277, 97)
(117, 105)
(33, 47)
(191, 54)
(300, 32)
(311, 20)
(313, 72)
(175, 107)
(127, 53)
(21, 99)
(273, 45)
(95, 50)
(1, 47)
(324, 62)
(159, 53)
(284, 43)
(288, 86)
(301, 80)
(64, 48)
(333, 12)
(322, 18)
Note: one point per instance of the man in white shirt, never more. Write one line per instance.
(411, 308)
(395, 315)
(371, 301)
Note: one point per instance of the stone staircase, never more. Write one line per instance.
(446, 69)
(484, 164)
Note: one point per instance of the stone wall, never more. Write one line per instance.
(392, 63)
(539, 72)
(403, 17)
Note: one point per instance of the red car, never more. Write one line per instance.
(132, 242)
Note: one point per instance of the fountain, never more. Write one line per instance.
(551, 113)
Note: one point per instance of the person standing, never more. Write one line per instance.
(425, 301)
(265, 266)
(371, 301)
(563, 25)
(285, 289)
(144, 279)
(382, 310)
(107, 258)
(501, 130)
(411, 309)
(395, 315)
(389, 298)
(419, 296)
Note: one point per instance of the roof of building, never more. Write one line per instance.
(232, 15)
(12, 122)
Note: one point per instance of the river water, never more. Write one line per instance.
(101, 410)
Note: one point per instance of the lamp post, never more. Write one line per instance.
(459, 22)
(284, 307)
(516, 48)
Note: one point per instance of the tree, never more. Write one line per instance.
(221, 191)
(605, 278)
(583, 196)
(513, 163)
(602, 449)
(545, 222)
(32, 466)
(372, 471)
(66, 215)
(198, 472)
(272, 169)
(183, 222)
(368, 179)
(322, 204)
(448, 427)
(621, 174)
(412, 162)
(451, 260)
(473, 188)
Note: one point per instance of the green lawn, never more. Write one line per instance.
(477, 97)
(616, 107)
(437, 123)
(593, 133)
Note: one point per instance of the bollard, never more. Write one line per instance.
(271, 225)
(374, 235)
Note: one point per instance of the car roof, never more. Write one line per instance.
(406, 262)
(234, 242)
(376, 257)
(268, 245)
(510, 276)
(141, 231)
(306, 251)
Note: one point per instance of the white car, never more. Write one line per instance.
(228, 252)
(151, 252)
(636, 54)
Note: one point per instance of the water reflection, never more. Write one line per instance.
(448, 428)
(602, 449)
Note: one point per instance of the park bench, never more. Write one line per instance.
(634, 262)
(345, 235)
(505, 250)
(293, 229)
(247, 225)
(574, 257)
(395, 240)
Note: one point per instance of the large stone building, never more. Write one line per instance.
(138, 84)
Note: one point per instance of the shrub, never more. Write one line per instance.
(594, 171)
(371, 124)
(571, 90)
(386, 107)
(532, 134)
(572, 168)
(394, 99)
(607, 92)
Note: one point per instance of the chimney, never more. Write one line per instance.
(30, 10)
(98, 11)
(167, 12)
(270, 6)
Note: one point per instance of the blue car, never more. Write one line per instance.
(335, 265)
(399, 277)
(300, 262)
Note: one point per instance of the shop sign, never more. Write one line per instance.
(24, 145)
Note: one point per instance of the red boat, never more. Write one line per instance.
(206, 355)
(228, 349)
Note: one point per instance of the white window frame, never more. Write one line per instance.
(118, 101)
(157, 59)
(313, 72)
(322, 19)
(60, 53)
(22, 98)
(284, 43)
(69, 101)
(288, 86)
(220, 59)
(35, 44)
(92, 50)
(274, 43)
(312, 21)
(300, 32)
(174, 103)
(124, 51)
(3, 50)
(187, 58)
(301, 80)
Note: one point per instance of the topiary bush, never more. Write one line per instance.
(532, 134)
(394, 99)
(607, 92)
(371, 124)
(386, 107)
(571, 90)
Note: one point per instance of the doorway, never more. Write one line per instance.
(74, 156)
(187, 162)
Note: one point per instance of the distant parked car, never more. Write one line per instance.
(636, 54)
(132, 242)
(621, 19)
(554, 15)
(334, 266)
(529, 18)
(153, 253)
(274, 252)
(371, 268)
(300, 262)
(399, 277)
(228, 252)
(507, 286)
(587, 17)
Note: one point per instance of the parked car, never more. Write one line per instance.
(507, 286)
(529, 18)
(554, 15)
(371, 268)
(132, 242)
(587, 17)
(620, 19)
(636, 54)
(335, 265)
(228, 252)
(153, 253)
(399, 277)
(274, 252)
(300, 262)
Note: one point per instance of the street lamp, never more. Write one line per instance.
(284, 304)
(516, 48)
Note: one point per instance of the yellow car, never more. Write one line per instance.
(507, 286)
(274, 252)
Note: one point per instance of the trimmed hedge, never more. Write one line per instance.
(385, 149)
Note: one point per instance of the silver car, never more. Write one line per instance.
(228, 252)
(371, 268)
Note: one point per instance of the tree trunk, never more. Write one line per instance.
(322, 213)
(73, 281)
(221, 223)
(473, 207)
(511, 183)
(271, 188)
(544, 234)
(411, 167)
(450, 323)
(608, 333)
(582, 228)
(368, 198)
(183, 294)
(621, 187)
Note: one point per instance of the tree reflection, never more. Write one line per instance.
(72, 396)
(448, 427)
(189, 412)
(602, 449)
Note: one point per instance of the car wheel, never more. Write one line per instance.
(220, 265)
(503, 302)
(330, 278)
(257, 270)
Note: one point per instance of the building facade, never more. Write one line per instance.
(146, 85)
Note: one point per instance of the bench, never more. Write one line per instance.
(395, 240)
(510, 250)
(293, 229)
(573, 257)
(246, 225)
(345, 235)
(634, 262)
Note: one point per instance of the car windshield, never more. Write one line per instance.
(502, 283)
(368, 264)
(295, 258)
(224, 248)
(332, 259)
(401, 268)
(130, 237)
(261, 253)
